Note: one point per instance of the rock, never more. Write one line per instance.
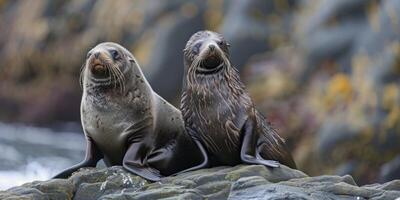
(52, 189)
(331, 133)
(254, 26)
(169, 38)
(239, 182)
(390, 170)
(345, 105)
(321, 39)
(93, 184)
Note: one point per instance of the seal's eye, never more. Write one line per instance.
(221, 43)
(115, 54)
(196, 48)
(88, 55)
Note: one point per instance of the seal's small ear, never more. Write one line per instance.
(132, 60)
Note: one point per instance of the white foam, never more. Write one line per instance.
(34, 171)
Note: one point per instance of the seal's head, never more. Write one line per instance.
(206, 52)
(106, 65)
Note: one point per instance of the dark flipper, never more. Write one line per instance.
(248, 152)
(93, 155)
(135, 159)
(203, 164)
(133, 162)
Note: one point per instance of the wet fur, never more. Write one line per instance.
(216, 106)
(126, 123)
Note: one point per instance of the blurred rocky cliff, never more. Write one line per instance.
(326, 73)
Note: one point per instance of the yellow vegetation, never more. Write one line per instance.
(339, 90)
(143, 49)
(390, 99)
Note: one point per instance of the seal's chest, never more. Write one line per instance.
(98, 124)
(106, 129)
(221, 129)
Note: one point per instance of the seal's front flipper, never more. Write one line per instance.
(248, 151)
(203, 164)
(270, 163)
(261, 161)
(134, 164)
(93, 155)
(145, 172)
(67, 172)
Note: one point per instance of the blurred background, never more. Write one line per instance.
(325, 73)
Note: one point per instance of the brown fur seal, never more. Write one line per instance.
(218, 111)
(126, 123)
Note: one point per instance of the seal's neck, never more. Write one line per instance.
(226, 82)
(210, 90)
(135, 87)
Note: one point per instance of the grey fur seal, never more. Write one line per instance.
(220, 114)
(126, 123)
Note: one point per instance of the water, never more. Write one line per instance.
(30, 153)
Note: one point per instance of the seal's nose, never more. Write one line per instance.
(96, 55)
(211, 47)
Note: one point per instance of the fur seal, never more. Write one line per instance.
(126, 123)
(218, 111)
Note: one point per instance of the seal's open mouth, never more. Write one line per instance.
(99, 71)
(211, 64)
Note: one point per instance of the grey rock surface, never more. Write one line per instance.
(390, 170)
(239, 182)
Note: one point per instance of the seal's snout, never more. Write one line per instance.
(95, 62)
(212, 58)
(97, 66)
(211, 47)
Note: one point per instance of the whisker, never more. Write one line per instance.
(192, 70)
(118, 76)
(108, 65)
(81, 75)
(112, 74)
(121, 79)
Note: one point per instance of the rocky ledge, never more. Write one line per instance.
(240, 182)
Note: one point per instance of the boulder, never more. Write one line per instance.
(239, 182)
